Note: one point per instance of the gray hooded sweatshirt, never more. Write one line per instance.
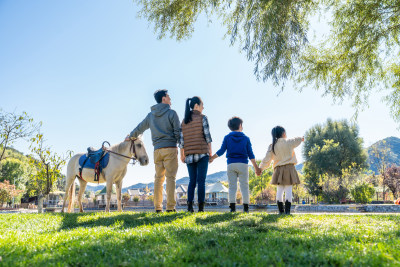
(164, 126)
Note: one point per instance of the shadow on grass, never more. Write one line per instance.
(248, 219)
(123, 220)
(246, 240)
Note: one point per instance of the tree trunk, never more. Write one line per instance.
(40, 203)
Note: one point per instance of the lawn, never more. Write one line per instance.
(211, 238)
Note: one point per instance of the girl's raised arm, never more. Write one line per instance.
(295, 142)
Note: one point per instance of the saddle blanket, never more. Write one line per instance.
(90, 165)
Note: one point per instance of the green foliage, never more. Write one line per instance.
(391, 179)
(383, 154)
(335, 189)
(329, 150)
(14, 170)
(259, 185)
(363, 193)
(8, 191)
(47, 165)
(200, 239)
(271, 33)
(359, 55)
(13, 127)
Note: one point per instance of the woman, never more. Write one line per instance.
(195, 145)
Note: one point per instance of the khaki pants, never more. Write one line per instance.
(166, 163)
(241, 171)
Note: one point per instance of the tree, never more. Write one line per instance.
(380, 158)
(336, 189)
(7, 192)
(363, 193)
(12, 170)
(13, 127)
(48, 166)
(391, 179)
(126, 197)
(329, 151)
(354, 59)
(300, 191)
(259, 185)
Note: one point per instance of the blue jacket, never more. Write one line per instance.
(238, 147)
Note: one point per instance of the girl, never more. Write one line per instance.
(281, 152)
(195, 145)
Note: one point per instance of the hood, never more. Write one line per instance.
(237, 136)
(160, 109)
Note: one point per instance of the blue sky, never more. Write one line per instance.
(88, 70)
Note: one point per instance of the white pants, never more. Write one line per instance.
(238, 171)
(288, 192)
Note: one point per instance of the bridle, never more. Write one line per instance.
(132, 149)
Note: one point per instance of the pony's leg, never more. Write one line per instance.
(109, 185)
(82, 188)
(70, 179)
(119, 194)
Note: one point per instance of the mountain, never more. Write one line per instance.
(392, 144)
(212, 178)
(137, 186)
(94, 188)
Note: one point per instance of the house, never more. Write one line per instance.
(181, 191)
(133, 193)
(54, 199)
(101, 198)
(216, 193)
(181, 194)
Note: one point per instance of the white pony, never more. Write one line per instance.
(120, 155)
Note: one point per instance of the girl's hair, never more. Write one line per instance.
(277, 132)
(190, 102)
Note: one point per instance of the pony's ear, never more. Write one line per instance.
(140, 136)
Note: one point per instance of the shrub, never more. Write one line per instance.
(363, 192)
(135, 199)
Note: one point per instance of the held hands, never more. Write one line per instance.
(258, 171)
(212, 158)
(183, 158)
(127, 138)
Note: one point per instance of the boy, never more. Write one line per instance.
(239, 151)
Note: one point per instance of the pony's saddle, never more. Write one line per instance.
(94, 159)
(95, 155)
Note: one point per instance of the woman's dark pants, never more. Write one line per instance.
(197, 174)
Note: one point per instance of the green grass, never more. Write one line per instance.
(216, 239)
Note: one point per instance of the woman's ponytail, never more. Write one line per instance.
(190, 103)
(188, 112)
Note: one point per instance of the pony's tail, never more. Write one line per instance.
(71, 200)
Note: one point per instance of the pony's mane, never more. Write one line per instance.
(121, 147)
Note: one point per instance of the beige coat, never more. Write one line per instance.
(284, 160)
(284, 153)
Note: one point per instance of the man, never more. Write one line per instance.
(165, 132)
